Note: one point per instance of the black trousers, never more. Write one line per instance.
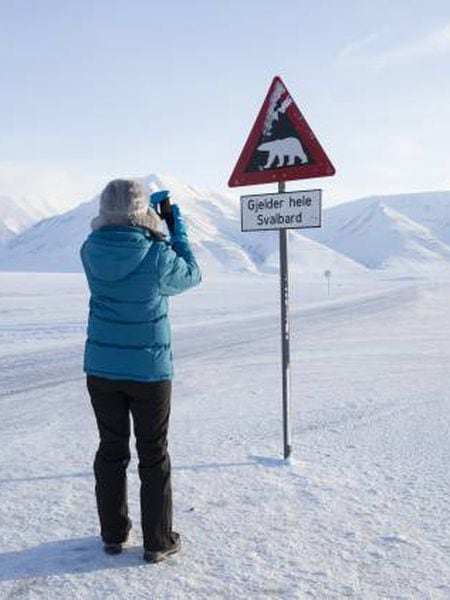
(149, 405)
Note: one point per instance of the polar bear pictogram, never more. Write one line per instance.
(289, 148)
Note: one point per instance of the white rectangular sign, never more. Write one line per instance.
(288, 210)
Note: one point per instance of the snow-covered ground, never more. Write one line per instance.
(363, 509)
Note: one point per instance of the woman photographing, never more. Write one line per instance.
(131, 270)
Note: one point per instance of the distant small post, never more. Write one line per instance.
(327, 275)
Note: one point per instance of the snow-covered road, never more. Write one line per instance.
(362, 511)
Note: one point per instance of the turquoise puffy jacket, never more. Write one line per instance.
(131, 273)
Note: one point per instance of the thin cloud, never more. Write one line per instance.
(367, 52)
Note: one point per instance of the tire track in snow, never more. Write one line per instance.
(21, 373)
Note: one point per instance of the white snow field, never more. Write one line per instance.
(362, 511)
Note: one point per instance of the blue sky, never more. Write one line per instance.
(97, 89)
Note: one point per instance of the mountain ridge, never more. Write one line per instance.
(404, 231)
(407, 232)
(214, 230)
(19, 214)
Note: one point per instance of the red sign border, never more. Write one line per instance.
(322, 166)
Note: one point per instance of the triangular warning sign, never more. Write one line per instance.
(281, 145)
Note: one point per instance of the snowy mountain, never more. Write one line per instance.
(18, 214)
(214, 225)
(405, 233)
(430, 209)
(408, 232)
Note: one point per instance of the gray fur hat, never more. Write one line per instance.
(125, 202)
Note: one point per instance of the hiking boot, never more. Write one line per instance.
(112, 548)
(116, 547)
(155, 556)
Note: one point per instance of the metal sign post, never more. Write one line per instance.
(285, 341)
(299, 209)
(281, 147)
